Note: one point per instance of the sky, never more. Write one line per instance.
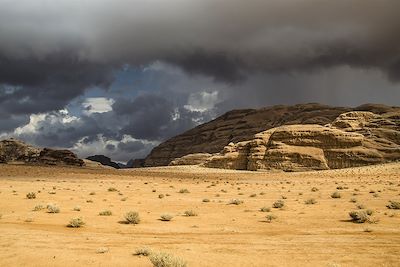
(118, 77)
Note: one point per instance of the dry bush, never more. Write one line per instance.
(336, 195)
(132, 217)
(31, 195)
(52, 208)
(143, 251)
(190, 213)
(105, 213)
(235, 202)
(278, 204)
(76, 223)
(394, 205)
(166, 217)
(310, 201)
(162, 259)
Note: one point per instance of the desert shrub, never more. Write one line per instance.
(124, 199)
(353, 200)
(265, 209)
(166, 217)
(89, 201)
(253, 195)
(369, 212)
(270, 217)
(336, 195)
(278, 204)
(51, 208)
(112, 189)
(105, 213)
(184, 191)
(142, 251)
(102, 250)
(314, 189)
(359, 216)
(235, 202)
(52, 192)
(310, 201)
(132, 217)
(161, 196)
(190, 213)
(339, 187)
(76, 223)
(360, 206)
(92, 193)
(38, 207)
(394, 205)
(31, 195)
(284, 197)
(206, 200)
(77, 208)
(29, 219)
(162, 259)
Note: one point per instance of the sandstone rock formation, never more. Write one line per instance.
(12, 150)
(230, 134)
(103, 160)
(353, 139)
(191, 159)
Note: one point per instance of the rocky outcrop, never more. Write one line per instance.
(352, 139)
(241, 125)
(135, 163)
(56, 157)
(191, 159)
(103, 160)
(12, 150)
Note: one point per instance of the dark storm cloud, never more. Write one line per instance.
(224, 39)
(153, 117)
(131, 146)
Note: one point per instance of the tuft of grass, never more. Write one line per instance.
(395, 205)
(162, 259)
(112, 189)
(31, 195)
(270, 217)
(102, 250)
(278, 204)
(265, 209)
(38, 207)
(190, 213)
(235, 202)
(105, 213)
(166, 217)
(184, 191)
(52, 208)
(336, 195)
(142, 251)
(310, 201)
(76, 223)
(132, 217)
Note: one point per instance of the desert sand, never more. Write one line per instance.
(319, 234)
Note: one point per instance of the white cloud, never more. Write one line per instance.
(97, 105)
(202, 101)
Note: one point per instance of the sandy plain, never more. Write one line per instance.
(320, 234)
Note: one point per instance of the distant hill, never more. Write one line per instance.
(103, 160)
